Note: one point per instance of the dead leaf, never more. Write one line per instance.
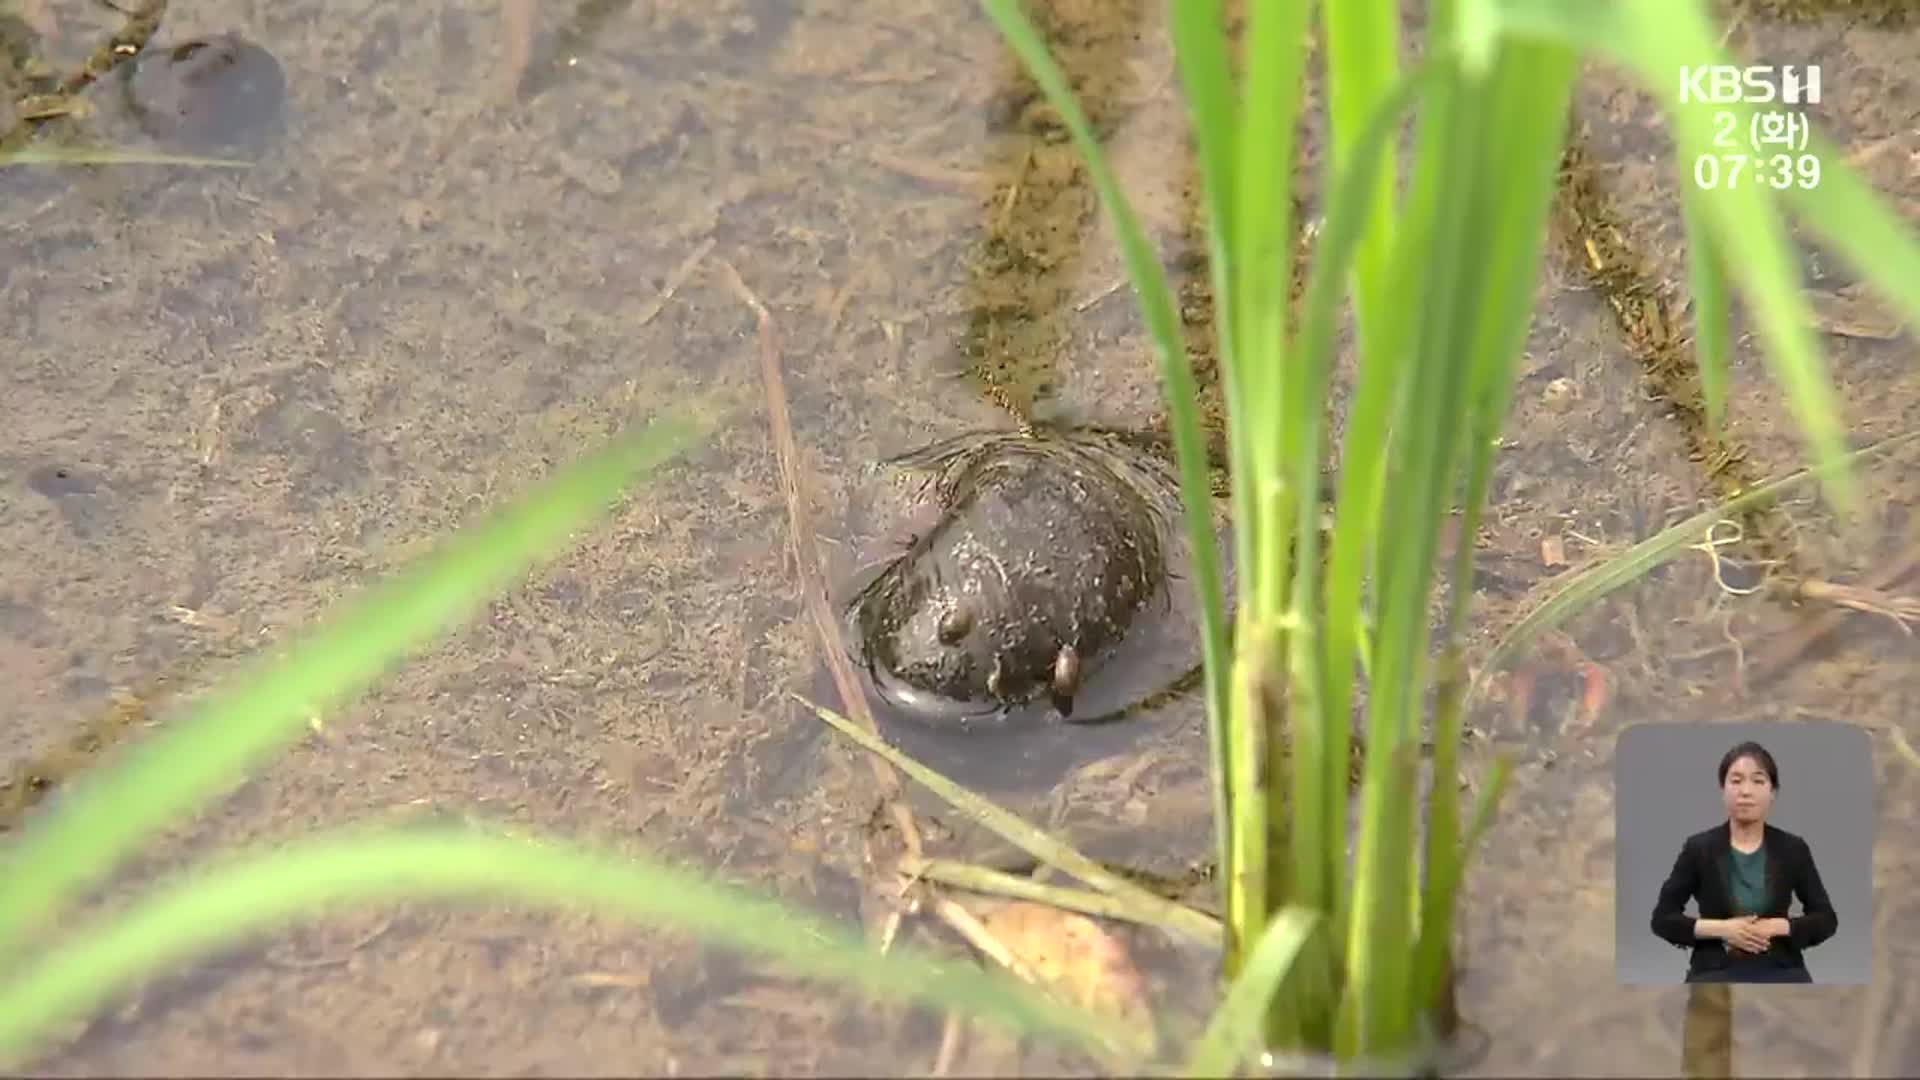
(1553, 550)
(1076, 958)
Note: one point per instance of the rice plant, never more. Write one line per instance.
(1440, 273)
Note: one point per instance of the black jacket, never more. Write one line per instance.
(1703, 873)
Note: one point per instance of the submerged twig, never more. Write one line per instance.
(132, 36)
(806, 547)
(984, 879)
(674, 280)
(37, 154)
(142, 22)
(1148, 906)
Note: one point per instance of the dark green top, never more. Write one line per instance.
(1749, 880)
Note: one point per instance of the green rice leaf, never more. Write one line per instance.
(1710, 310)
(247, 895)
(1237, 1027)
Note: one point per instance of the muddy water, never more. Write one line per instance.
(236, 397)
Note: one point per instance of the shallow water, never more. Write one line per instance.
(235, 397)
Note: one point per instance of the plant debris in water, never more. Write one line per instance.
(1051, 550)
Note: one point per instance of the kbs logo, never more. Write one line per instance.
(1724, 84)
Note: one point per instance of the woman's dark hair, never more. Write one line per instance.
(1758, 753)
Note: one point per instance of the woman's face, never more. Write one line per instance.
(1748, 793)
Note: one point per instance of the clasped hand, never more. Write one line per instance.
(1752, 934)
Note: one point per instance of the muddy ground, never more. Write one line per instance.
(236, 397)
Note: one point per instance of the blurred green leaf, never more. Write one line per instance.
(250, 894)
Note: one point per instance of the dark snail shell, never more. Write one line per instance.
(1050, 553)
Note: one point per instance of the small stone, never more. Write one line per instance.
(1558, 395)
